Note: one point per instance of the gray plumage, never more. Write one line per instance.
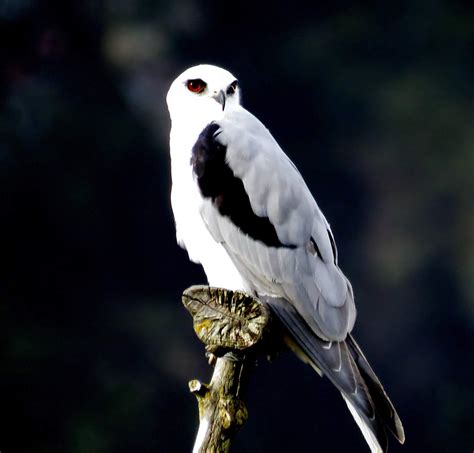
(315, 285)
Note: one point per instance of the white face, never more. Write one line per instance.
(205, 91)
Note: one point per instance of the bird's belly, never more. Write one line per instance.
(193, 235)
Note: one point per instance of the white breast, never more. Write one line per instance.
(191, 231)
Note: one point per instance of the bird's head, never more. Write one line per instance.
(204, 90)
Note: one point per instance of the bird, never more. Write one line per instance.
(244, 212)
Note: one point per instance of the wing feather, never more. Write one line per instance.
(275, 189)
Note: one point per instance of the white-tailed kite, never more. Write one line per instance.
(244, 212)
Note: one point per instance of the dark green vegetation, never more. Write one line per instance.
(374, 103)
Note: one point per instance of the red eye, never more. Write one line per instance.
(196, 85)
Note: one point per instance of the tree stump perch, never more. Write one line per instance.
(231, 324)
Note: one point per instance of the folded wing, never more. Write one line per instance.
(258, 206)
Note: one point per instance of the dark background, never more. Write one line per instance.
(374, 103)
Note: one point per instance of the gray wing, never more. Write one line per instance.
(299, 262)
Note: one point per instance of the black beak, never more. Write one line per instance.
(220, 98)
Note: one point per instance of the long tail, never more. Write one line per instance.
(347, 368)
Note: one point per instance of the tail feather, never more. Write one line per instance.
(373, 440)
(347, 368)
(382, 402)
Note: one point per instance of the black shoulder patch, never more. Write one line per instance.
(217, 181)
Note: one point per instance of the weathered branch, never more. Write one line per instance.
(230, 324)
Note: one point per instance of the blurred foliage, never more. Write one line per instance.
(374, 103)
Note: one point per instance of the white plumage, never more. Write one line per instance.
(244, 212)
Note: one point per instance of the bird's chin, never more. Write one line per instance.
(198, 115)
(212, 110)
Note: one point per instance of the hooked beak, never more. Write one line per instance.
(220, 98)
